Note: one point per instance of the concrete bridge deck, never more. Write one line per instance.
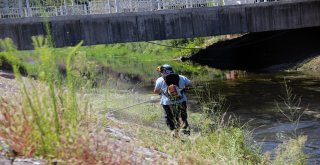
(164, 24)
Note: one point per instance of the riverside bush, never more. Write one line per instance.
(46, 118)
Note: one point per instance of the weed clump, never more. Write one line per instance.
(47, 118)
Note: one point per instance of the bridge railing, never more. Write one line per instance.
(114, 6)
(11, 13)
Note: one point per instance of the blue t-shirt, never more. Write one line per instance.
(161, 84)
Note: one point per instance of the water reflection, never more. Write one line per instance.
(253, 98)
(234, 74)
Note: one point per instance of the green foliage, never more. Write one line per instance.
(289, 105)
(137, 59)
(151, 115)
(84, 71)
(51, 119)
(291, 152)
(142, 57)
(214, 107)
(311, 65)
(48, 111)
(222, 146)
(48, 2)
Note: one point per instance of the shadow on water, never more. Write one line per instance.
(253, 98)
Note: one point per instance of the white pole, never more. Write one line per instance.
(20, 8)
(56, 10)
(130, 4)
(29, 14)
(116, 5)
(72, 7)
(159, 7)
(109, 6)
(152, 3)
(65, 6)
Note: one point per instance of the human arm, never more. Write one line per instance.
(157, 88)
(186, 83)
(157, 91)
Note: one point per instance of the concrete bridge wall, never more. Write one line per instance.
(165, 24)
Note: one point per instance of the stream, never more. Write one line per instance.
(253, 97)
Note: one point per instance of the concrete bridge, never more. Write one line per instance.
(164, 24)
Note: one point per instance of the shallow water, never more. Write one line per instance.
(253, 98)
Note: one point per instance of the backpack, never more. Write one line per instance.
(172, 92)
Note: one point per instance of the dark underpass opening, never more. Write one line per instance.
(263, 51)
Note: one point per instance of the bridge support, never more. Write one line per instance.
(164, 24)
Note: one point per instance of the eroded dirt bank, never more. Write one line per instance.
(267, 51)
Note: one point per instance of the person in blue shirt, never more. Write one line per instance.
(171, 87)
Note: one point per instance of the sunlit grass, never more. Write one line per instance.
(49, 117)
(65, 116)
(290, 152)
(313, 64)
(129, 57)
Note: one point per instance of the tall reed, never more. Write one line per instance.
(289, 105)
(48, 107)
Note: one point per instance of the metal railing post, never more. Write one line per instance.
(130, 5)
(159, 7)
(88, 8)
(152, 5)
(72, 7)
(66, 6)
(20, 8)
(109, 5)
(116, 5)
(26, 8)
(6, 12)
(28, 13)
(56, 10)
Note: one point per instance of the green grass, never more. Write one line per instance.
(47, 119)
(290, 152)
(312, 65)
(44, 105)
(136, 59)
(64, 116)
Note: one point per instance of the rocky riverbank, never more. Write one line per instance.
(113, 135)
